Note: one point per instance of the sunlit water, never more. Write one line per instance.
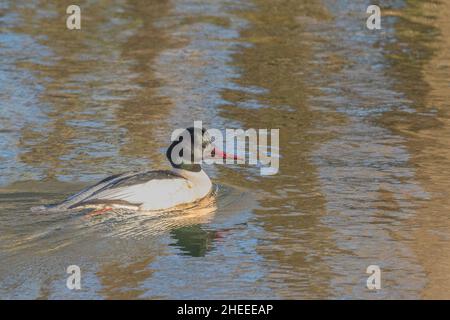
(364, 139)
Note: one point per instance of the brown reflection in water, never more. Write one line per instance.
(144, 115)
(121, 280)
(98, 91)
(117, 286)
(46, 149)
(420, 61)
(280, 61)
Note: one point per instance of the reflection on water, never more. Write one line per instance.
(363, 118)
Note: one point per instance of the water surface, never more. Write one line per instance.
(364, 133)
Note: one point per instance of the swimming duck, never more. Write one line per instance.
(154, 189)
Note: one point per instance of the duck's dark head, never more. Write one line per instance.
(189, 147)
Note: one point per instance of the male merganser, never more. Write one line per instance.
(151, 190)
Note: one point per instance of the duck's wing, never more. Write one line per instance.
(114, 189)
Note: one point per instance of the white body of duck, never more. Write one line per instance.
(142, 190)
(158, 194)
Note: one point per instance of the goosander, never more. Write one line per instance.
(151, 190)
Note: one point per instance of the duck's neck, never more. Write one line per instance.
(199, 180)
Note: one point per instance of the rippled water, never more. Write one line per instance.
(364, 139)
